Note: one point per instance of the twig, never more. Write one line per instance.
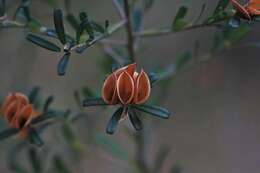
(119, 9)
(129, 29)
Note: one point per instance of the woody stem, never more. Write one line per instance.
(129, 29)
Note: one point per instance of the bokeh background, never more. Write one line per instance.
(215, 126)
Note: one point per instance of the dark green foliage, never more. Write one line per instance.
(35, 160)
(113, 122)
(179, 22)
(59, 26)
(35, 138)
(8, 133)
(222, 5)
(42, 42)
(2, 8)
(94, 102)
(136, 122)
(153, 110)
(47, 103)
(59, 165)
(63, 64)
(182, 60)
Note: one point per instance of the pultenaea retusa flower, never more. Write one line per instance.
(126, 86)
(249, 10)
(18, 112)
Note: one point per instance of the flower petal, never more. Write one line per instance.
(24, 117)
(11, 111)
(253, 7)
(241, 9)
(130, 69)
(142, 88)
(23, 98)
(109, 94)
(9, 99)
(125, 88)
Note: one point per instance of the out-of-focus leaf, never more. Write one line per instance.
(200, 14)
(22, 13)
(47, 116)
(136, 122)
(59, 165)
(47, 103)
(2, 8)
(77, 98)
(42, 43)
(160, 158)
(148, 4)
(35, 160)
(222, 5)
(182, 60)
(13, 163)
(179, 23)
(8, 133)
(176, 169)
(59, 27)
(233, 35)
(73, 21)
(137, 19)
(112, 147)
(35, 138)
(97, 27)
(163, 74)
(88, 92)
(85, 25)
(63, 64)
(153, 110)
(34, 25)
(94, 102)
(34, 94)
(113, 122)
(234, 22)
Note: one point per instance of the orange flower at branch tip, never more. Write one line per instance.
(126, 86)
(18, 112)
(249, 10)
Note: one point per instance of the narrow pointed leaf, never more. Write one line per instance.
(8, 133)
(42, 43)
(59, 26)
(60, 165)
(63, 64)
(94, 102)
(34, 94)
(47, 103)
(153, 110)
(35, 160)
(73, 21)
(113, 122)
(136, 122)
(222, 5)
(179, 22)
(46, 116)
(182, 60)
(2, 8)
(35, 138)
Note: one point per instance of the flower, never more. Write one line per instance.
(126, 86)
(18, 112)
(249, 10)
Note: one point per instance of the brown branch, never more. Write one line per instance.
(130, 37)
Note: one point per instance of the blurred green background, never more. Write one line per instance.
(215, 127)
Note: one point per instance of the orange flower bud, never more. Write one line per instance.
(18, 112)
(126, 86)
(249, 10)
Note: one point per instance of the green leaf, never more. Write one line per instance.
(113, 122)
(136, 122)
(112, 147)
(179, 23)
(222, 5)
(94, 102)
(200, 14)
(35, 138)
(42, 43)
(153, 110)
(47, 103)
(233, 35)
(163, 74)
(46, 116)
(35, 160)
(88, 92)
(97, 27)
(34, 94)
(182, 60)
(60, 165)
(85, 25)
(2, 8)
(8, 133)
(77, 98)
(63, 64)
(73, 21)
(59, 27)
(22, 13)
